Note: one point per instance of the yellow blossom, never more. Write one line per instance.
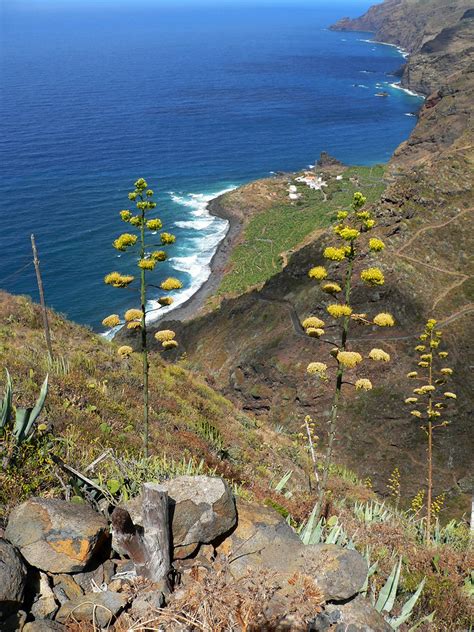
(384, 320)
(154, 224)
(416, 413)
(420, 348)
(411, 400)
(348, 234)
(118, 280)
(334, 254)
(317, 368)
(443, 354)
(318, 272)
(111, 321)
(431, 324)
(165, 334)
(135, 324)
(125, 241)
(315, 332)
(363, 385)
(165, 301)
(125, 351)
(363, 215)
(372, 276)
(449, 395)
(159, 255)
(146, 264)
(412, 374)
(426, 356)
(141, 184)
(312, 321)
(379, 355)
(446, 371)
(331, 288)
(369, 223)
(342, 215)
(136, 220)
(171, 284)
(149, 193)
(337, 311)
(423, 364)
(167, 238)
(169, 344)
(126, 215)
(349, 359)
(376, 245)
(428, 388)
(133, 314)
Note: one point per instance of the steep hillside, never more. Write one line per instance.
(94, 403)
(407, 23)
(253, 344)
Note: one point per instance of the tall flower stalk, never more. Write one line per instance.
(136, 242)
(351, 230)
(429, 402)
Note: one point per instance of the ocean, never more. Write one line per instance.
(197, 100)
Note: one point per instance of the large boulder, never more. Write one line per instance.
(43, 625)
(202, 509)
(262, 539)
(56, 536)
(102, 607)
(338, 571)
(12, 579)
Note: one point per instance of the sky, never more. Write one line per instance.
(357, 4)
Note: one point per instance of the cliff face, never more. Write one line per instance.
(407, 23)
(253, 345)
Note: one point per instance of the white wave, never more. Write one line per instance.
(401, 50)
(410, 114)
(398, 86)
(210, 231)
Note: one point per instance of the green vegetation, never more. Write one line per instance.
(284, 226)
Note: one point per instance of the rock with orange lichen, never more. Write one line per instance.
(56, 536)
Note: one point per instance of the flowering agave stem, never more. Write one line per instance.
(146, 365)
(337, 394)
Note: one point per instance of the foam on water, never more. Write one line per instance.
(412, 93)
(210, 231)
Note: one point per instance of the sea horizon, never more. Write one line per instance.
(199, 102)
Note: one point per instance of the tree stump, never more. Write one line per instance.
(148, 548)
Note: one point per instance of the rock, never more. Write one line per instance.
(56, 536)
(43, 625)
(147, 603)
(338, 571)
(65, 588)
(358, 615)
(262, 538)
(90, 579)
(12, 579)
(44, 605)
(103, 606)
(202, 509)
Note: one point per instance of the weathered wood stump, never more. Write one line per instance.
(149, 547)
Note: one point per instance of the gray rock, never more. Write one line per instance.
(65, 588)
(12, 579)
(56, 536)
(44, 625)
(358, 615)
(44, 605)
(103, 606)
(202, 509)
(147, 603)
(262, 539)
(339, 572)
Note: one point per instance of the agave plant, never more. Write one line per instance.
(372, 512)
(324, 531)
(388, 594)
(25, 418)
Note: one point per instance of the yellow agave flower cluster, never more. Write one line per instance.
(167, 338)
(351, 224)
(431, 397)
(142, 196)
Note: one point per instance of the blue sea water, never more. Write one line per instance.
(196, 100)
